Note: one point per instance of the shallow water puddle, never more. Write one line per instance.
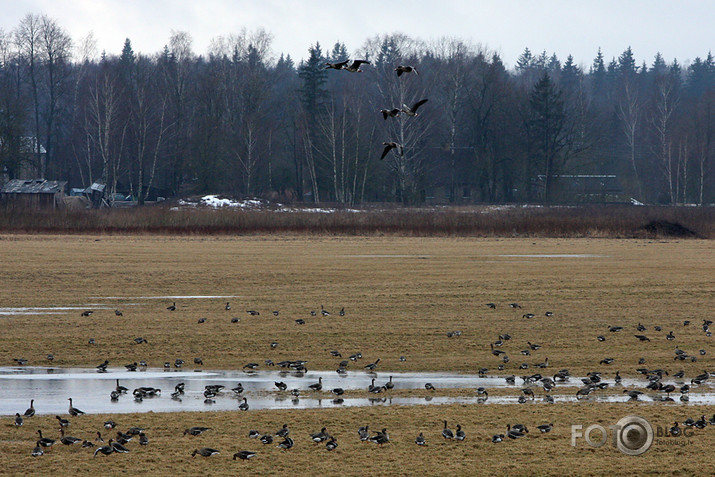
(90, 390)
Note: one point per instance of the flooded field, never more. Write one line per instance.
(459, 314)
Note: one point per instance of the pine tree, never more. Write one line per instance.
(546, 128)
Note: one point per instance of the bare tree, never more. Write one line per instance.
(28, 39)
(666, 102)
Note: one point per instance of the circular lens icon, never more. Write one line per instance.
(634, 435)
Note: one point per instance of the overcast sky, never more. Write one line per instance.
(678, 29)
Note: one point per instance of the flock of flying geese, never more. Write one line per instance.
(591, 383)
(354, 67)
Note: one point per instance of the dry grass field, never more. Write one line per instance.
(401, 297)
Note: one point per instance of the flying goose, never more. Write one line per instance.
(354, 67)
(389, 146)
(336, 66)
(406, 69)
(391, 113)
(412, 111)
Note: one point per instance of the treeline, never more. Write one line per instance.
(241, 122)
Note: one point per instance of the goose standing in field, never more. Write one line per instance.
(228, 306)
(121, 389)
(63, 422)
(364, 433)
(254, 434)
(267, 439)
(492, 306)
(143, 439)
(283, 431)
(73, 410)
(196, 430)
(244, 405)
(205, 452)
(244, 455)
(496, 438)
(372, 366)
(19, 421)
(390, 146)
(37, 451)
(332, 444)
(171, 307)
(317, 386)
(412, 111)
(446, 432)
(381, 437)
(459, 435)
(30, 411)
(106, 450)
(544, 428)
(45, 441)
(286, 444)
(319, 436)
(406, 69)
(68, 440)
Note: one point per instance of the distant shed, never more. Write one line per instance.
(37, 193)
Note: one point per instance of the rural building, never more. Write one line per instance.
(581, 188)
(37, 193)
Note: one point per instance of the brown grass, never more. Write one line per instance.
(582, 221)
(401, 296)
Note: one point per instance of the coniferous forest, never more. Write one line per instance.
(246, 121)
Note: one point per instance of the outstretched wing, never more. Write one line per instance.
(386, 150)
(418, 104)
(356, 63)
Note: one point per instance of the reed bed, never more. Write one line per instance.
(485, 221)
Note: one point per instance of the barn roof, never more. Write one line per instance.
(33, 186)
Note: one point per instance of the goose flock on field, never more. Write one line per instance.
(500, 349)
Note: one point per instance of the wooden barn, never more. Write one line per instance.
(35, 193)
